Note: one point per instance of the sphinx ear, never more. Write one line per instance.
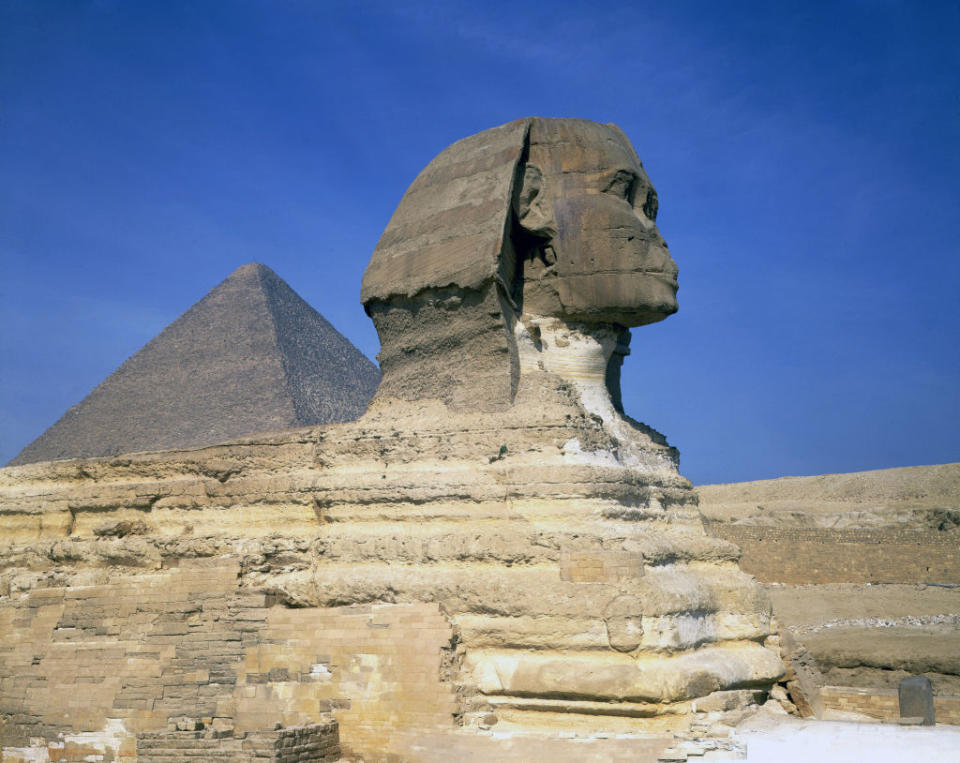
(533, 208)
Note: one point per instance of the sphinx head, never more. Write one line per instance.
(536, 219)
(593, 252)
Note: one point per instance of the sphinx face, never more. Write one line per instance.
(605, 261)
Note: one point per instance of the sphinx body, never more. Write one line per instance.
(526, 253)
(494, 480)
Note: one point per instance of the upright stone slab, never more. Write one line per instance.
(916, 699)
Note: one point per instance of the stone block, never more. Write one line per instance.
(916, 699)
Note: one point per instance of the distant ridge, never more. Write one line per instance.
(251, 356)
(904, 491)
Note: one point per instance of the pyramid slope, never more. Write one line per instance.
(328, 379)
(251, 356)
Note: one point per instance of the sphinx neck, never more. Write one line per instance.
(468, 349)
(470, 352)
(588, 357)
(453, 345)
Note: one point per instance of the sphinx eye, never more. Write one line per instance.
(651, 205)
(623, 185)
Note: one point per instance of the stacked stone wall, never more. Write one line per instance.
(102, 663)
(883, 703)
(317, 743)
(799, 556)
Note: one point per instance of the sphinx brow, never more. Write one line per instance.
(623, 172)
(612, 177)
(605, 177)
(587, 171)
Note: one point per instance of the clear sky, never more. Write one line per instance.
(806, 156)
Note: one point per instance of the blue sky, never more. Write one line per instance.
(805, 155)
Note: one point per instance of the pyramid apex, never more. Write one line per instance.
(249, 270)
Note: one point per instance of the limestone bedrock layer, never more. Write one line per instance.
(494, 541)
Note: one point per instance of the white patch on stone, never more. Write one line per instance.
(574, 453)
(33, 754)
(485, 674)
(111, 737)
(677, 632)
(492, 672)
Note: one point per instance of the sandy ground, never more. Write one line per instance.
(792, 740)
(766, 737)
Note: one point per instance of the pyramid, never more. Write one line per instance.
(251, 356)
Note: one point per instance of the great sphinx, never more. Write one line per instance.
(495, 479)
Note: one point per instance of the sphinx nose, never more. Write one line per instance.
(670, 265)
(661, 256)
(672, 268)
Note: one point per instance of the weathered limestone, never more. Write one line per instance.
(536, 553)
